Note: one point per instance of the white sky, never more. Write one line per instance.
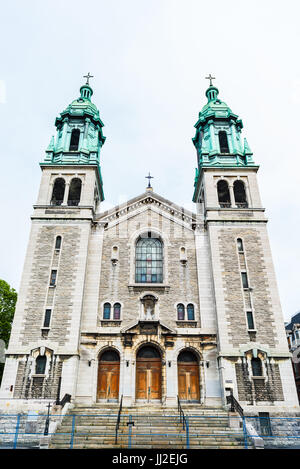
(149, 59)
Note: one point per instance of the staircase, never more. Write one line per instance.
(153, 426)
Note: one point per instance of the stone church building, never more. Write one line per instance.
(147, 300)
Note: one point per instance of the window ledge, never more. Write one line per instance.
(186, 323)
(52, 286)
(111, 322)
(148, 286)
(259, 378)
(44, 328)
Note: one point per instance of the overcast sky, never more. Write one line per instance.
(149, 60)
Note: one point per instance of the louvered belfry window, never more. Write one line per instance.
(149, 261)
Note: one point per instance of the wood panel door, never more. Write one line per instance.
(148, 378)
(108, 380)
(188, 382)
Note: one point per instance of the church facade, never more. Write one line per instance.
(147, 300)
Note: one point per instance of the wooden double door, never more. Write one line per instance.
(108, 380)
(188, 381)
(148, 378)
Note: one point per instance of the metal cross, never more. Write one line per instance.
(149, 177)
(210, 78)
(88, 76)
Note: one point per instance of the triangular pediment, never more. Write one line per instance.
(148, 200)
(133, 328)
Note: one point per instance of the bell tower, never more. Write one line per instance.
(42, 356)
(237, 277)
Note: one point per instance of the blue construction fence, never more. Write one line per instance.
(35, 430)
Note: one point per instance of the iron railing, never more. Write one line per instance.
(118, 420)
(234, 404)
(182, 418)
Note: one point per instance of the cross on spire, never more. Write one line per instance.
(88, 76)
(149, 178)
(210, 78)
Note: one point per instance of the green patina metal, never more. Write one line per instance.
(83, 117)
(216, 117)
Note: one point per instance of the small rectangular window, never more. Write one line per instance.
(53, 277)
(47, 318)
(240, 245)
(265, 423)
(58, 242)
(245, 280)
(250, 320)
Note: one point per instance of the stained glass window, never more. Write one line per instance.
(106, 311)
(190, 312)
(117, 311)
(149, 261)
(180, 312)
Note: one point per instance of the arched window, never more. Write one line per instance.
(223, 193)
(117, 311)
(149, 260)
(256, 367)
(223, 141)
(190, 312)
(106, 311)
(148, 352)
(58, 191)
(180, 312)
(110, 356)
(240, 245)
(240, 194)
(74, 192)
(74, 143)
(40, 365)
(187, 356)
(58, 243)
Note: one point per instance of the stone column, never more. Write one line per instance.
(232, 195)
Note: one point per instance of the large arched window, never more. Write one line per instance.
(40, 365)
(223, 193)
(149, 260)
(240, 194)
(223, 141)
(74, 192)
(74, 143)
(58, 191)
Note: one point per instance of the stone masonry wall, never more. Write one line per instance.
(59, 297)
(182, 280)
(256, 270)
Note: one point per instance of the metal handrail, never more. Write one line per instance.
(234, 404)
(181, 414)
(118, 420)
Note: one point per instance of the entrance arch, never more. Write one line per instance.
(108, 375)
(148, 373)
(188, 376)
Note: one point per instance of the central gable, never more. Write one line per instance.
(144, 202)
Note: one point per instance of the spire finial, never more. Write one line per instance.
(149, 177)
(210, 78)
(88, 76)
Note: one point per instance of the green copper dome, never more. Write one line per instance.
(218, 137)
(215, 108)
(81, 107)
(79, 137)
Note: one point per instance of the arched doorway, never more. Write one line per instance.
(108, 375)
(148, 373)
(188, 376)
